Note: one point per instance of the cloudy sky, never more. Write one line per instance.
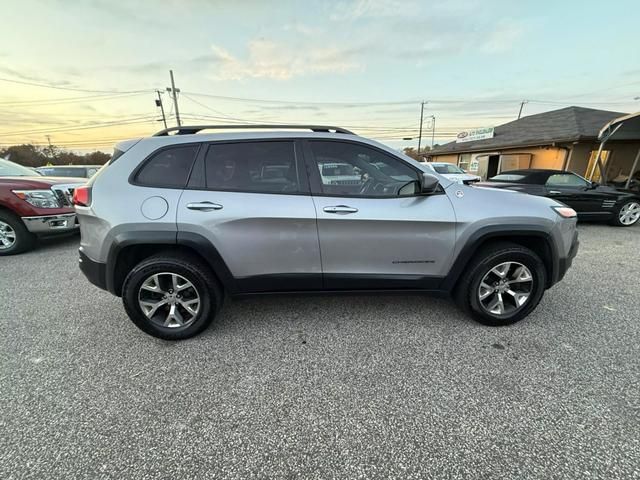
(85, 72)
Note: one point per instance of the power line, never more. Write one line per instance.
(61, 101)
(80, 127)
(72, 89)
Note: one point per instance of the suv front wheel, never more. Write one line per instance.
(170, 296)
(502, 284)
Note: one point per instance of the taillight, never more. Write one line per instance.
(82, 196)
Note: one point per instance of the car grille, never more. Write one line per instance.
(64, 194)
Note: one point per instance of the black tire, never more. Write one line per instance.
(190, 268)
(468, 288)
(617, 221)
(24, 239)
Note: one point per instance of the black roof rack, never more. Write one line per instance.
(191, 129)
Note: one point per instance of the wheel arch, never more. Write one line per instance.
(531, 237)
(130, 248)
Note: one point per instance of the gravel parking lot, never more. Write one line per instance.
(323, 387)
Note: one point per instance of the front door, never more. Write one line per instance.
(251, 201)
(375, 230)
(576, 192)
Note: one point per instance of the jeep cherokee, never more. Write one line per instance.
(177, 221)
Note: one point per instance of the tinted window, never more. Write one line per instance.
(566, 180)
(350, 169)
(268, 167)
(168, 168)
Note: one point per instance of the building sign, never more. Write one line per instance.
(475, 134)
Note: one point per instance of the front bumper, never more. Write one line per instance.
(565, 263)
(49, 224)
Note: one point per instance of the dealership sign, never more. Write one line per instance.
(475, 134)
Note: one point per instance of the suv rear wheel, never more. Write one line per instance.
(172, 297)
(502, 284)
(14, 236)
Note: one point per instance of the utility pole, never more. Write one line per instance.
(420, 134)
(521, 106)
(174, 91)
(51, 152)
(433, 130)
(159, 104)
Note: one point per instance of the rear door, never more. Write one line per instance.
(251, 200)
(375, 231)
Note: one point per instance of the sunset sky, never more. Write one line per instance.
(85, 73)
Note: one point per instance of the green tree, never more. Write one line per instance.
(413, 153)
(33, 156)
(27, 155)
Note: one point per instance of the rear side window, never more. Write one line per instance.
(169, 167)
(268, 167)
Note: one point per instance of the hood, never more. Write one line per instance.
(38, 181)
(460, 176)
(489, 184)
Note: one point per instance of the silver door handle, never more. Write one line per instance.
(340, 209)
(204, 206)
(554, 192)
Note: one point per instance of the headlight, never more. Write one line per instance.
(39, 198)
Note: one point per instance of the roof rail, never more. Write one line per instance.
(189, 130)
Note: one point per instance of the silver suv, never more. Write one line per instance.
(176, 222)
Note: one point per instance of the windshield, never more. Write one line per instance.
(10, 169)
(507, 177)
(62, 171)
(447, 168)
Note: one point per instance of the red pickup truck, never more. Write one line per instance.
(33, 206)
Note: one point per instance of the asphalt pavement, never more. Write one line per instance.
(316, 387)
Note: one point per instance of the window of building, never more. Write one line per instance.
(592, 166)
(169, 167)
(349, 169)
(464, 159)
(268, 167)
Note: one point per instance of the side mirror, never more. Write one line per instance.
(428, 183)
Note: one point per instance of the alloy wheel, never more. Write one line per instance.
(7, 236)
(169, 300)
(629, 213)
(506, 288)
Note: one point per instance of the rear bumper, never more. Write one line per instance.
(50, 224)
(95, 272)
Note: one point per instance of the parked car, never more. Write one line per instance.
(32, 205)
(452, 172)
(194, 221)
(590, 200)
(76, 171)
